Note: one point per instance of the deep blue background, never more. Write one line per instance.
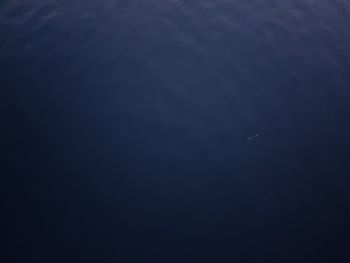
(175, 131)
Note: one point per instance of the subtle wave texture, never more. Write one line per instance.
(177, 131)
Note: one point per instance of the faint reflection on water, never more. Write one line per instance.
(210, 108)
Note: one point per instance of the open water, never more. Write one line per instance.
(175, 130)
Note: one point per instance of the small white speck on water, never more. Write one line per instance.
(253, 137)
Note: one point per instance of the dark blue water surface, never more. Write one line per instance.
(175, 130)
